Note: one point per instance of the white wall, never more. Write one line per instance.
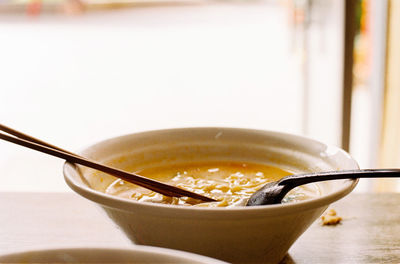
(76, 80)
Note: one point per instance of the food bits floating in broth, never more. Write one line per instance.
(231, 183)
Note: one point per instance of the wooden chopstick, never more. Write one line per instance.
(47, 148)
(19, 134)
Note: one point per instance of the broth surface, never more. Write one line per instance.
(231, 183)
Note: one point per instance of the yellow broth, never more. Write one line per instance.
(231, 183)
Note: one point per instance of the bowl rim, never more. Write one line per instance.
(184, 255)
(128, 204)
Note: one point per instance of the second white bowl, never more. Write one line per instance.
(134, 254)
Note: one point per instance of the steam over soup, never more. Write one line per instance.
(231, 183)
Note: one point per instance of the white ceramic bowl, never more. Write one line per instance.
(134, 254)
(242, 234)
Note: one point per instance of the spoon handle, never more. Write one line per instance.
(300, 179)
(153, 185)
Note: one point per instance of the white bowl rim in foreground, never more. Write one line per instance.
(128, 204)
(136, 249)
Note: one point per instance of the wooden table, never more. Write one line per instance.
(369, 233)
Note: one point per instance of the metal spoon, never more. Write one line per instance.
(274, 192)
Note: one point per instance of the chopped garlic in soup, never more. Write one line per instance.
(231, 183)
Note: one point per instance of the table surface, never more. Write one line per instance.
(369, 232)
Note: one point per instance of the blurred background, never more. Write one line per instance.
(74, 72)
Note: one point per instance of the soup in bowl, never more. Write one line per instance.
(228, 164)
(229, 183)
